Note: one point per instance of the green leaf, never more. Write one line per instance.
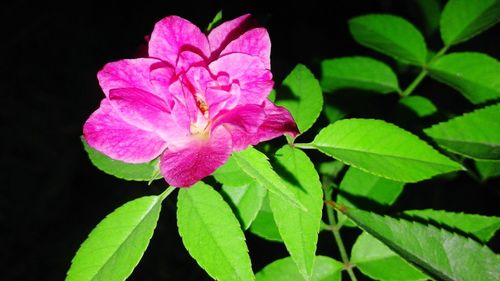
(382, 149)
(423, 107)
(115, 246)
(475, 135)
(464, 19)
(488, 169)
(333, 113)
(264, 225)
(246, 201)
(231, 174)
(390, 35)
(331, 168)
(359, 73)
(325, 269)
(215, 21)
(376, 260)
(438, 253)
(272, 95)
(212, 234)
(256, 165)
(136, 172)
(299, 228)
(481, 227)
(377, 189)
(306, 100)
(431, 13)
(475, 75)
(357, 184)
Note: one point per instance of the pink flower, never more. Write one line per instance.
(195, 99)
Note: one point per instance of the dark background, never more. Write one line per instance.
(52, 196)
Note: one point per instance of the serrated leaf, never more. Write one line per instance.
(382, 149)
(488, 169)
(299, 228)
(256, 165)
(264, 225)
(325, 269)
(115, 246)
(136, 172)
(215, 21)
(481, 227)
(390, 35)
(246, 201)
(475, 75)
(422, 106)
(373, 258)
(475, 134)
(231, 174)
(212, 234)
(306, 98)
(464, 19)
(438, 253)
(359, 73)
(358, 187)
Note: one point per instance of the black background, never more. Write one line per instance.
(52, 196)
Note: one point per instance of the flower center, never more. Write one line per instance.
(202, 105)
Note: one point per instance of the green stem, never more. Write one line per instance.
(415, 83)
(334, 227)
(167, 192)
(439, 54)
(422, 73)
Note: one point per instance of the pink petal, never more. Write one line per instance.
(106, 132)
(179, 92)
(145, 111)
(247, 118)
(161, 77)
(249, 72)
(276, 122)
(186, 165)
(226, 32)
(217, 95)
(172, 35)
(254, 42)
(188, 59)
(184, 110)
(130, 73)
(222, 99)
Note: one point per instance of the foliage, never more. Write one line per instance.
(281, 193)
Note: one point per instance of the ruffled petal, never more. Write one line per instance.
(189, 59)
(222, 99)
(184, 166)
(255, 42)
(278, 121)
(249, 72)
(108, 133)
(226, 32)
(161, 77)
(145, 111)
(130, 73)
(275, 122)
(172, 35)
(247, 118)
(185, 110)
